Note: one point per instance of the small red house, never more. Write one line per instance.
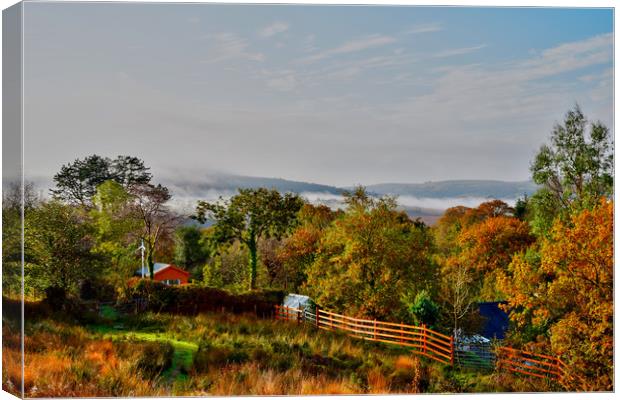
(167, 273)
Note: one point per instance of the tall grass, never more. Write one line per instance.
(218, 354)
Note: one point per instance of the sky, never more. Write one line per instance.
(326, 94)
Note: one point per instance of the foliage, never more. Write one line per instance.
(250, 215)
(77, 182)
(191, 299)
(60, 241)
(567, 292)
(576, 169)
(12, 209)
(368, 257)
(157, 221)
(298, 250)
(116, 231)
(192, 249)
(228, 268)
(424, 309)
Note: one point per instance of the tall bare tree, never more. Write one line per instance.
(158, 221)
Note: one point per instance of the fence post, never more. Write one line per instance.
(402, 334)
(375, 325)
(317, 315)
(424, 338)
(299, 316)
(452, 351)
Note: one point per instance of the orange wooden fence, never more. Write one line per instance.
(532, 364)
(425, 342)
(288, 313)
(420, 339)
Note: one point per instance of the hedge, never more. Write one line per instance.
(192, 299)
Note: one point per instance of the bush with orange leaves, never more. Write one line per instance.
(63, 361)
(562, 296)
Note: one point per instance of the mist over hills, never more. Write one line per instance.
(458, 188)
(425, 200)
(483, 189)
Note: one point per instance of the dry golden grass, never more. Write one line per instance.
(70, 366)
(240, 355)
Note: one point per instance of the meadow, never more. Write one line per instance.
(219, 354)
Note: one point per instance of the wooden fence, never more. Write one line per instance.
(420, 339)
(531, 364)
(429, 343)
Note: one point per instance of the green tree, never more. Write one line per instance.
(369, 257)
(12, 208)
(575, 169)
(60, 241)
(228, 268)
(77, 182)
(192, 248)
(423, 309)
(250, 215)
(117, 228)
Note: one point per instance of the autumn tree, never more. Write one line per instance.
(299, 249)
(563, 295)
(250, 215)
(368, 258)
(487, 247)
(77, 182)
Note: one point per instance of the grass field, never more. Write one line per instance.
(220, 354)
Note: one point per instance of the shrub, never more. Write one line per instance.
(191, 299)
(424, 309)
(155, 358)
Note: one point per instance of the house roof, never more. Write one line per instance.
(296, 300)
(159, 267)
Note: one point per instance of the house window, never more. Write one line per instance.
(172, 281)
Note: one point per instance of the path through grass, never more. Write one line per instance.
(183, 350)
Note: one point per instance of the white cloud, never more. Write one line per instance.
(482, 103)
(273, 29)
(284, 83)
(423, 28)
(352, 46)
(458, 52)
(228, 46)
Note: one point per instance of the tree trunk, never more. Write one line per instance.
(252, 246)
(151, 264)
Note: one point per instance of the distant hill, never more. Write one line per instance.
(457, 188)
(230, 183)
(424, 200)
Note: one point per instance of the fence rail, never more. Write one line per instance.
(420, 339)
(434, 345)
(532, 364)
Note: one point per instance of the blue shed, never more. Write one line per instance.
(495, 319)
